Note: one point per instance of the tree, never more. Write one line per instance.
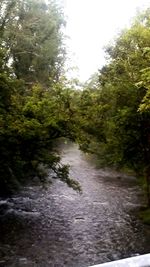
(31, 58)
(33, 38)
(116, 112)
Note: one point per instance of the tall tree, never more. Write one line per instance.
(32, 36)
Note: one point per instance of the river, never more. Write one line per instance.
(58, 227)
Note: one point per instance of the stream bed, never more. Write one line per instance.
(58, 227)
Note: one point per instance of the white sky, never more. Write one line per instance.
(91, 24)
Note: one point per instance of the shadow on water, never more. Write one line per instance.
(59, 227)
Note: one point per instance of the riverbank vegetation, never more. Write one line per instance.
(33, 95)
(115, 109)
(109, 117)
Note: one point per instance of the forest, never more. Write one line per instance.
(109, 116)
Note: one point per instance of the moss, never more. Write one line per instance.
(145, 216)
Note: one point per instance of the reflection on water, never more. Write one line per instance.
(59, 227)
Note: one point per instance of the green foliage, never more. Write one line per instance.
(145, 105)
(115, 112)
(110, 117)
(33, 120)
(31, 33)
(35, 102)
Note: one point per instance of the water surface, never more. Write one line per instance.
(58, 227)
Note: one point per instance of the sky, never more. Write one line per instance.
(91, 25)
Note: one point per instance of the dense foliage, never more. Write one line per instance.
(109, 117)
(33, 97)
(115, 109)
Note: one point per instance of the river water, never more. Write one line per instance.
(58, 227)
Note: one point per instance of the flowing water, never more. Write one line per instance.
(59, 227)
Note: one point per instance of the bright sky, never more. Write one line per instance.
(92, 24)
